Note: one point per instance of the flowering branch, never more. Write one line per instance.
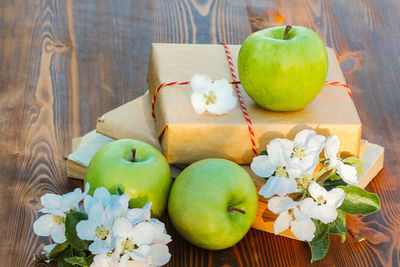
(327, 194)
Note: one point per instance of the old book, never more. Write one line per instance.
(86, 147)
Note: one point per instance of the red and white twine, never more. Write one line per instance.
(239, 94)
(235, 82)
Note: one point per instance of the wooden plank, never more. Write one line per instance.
(65, 63)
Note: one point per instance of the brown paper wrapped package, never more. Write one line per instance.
(186, 136)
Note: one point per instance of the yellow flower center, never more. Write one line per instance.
(58, 219)
(210, 98)
(101, 232)
(321, 200)
(281, 171)
(304, 181)
(298, 152)
(128, 245)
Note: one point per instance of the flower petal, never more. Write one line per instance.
(58, 233)
(227, 103)
(141, 253)
(49, 248)
(100, 246)
(307, 207)
(86, 229)
(302, 227)
(331, 149)
(335, 197)
(316, 190)
(198, 102)
(51, 203)
(97, 213)
(325, 213)
(71, 200)
(160, 254)
(200, 83)
(262, 166)
(101, 195)
(347, 172)
(315, 144)
(305, 165)
(278, 185)
(143, 233)
(282, 222)
(88, 202)
(222, 88)
(303, 137)
(121, 228)
(281, 204)
(279, 151)
(43, 224)
(101, 260)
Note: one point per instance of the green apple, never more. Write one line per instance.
(283, 69)
(132, 167)
(213, 203)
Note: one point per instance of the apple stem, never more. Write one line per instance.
(236, 209)
(133, 154)
(288, 27)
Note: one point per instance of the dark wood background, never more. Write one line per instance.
(65, 63)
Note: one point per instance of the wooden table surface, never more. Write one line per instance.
(65, 63)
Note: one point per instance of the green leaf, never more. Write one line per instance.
(58, 249)
(319, 248)
(357, 201)
(320, 244)
(89, 259)
(119, 191)
(338, 226)
(321, 230)
(356, 162)
(65, 254)
(330, 184)
(79, 253)
(264, 152)
(80, 261)
(334, 177)
(71, 220)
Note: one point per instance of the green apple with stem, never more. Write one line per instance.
(132, 167)
(283, 68)
(213, 203)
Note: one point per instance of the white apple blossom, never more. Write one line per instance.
(98, 228)
(347, 172)
(291, 216)
(50, 225)
(56, 206)
(274, 165)
(306, 147)
(216, 97)
(144, 243)
(322, 204)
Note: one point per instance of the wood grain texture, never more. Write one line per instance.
(64, 63)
